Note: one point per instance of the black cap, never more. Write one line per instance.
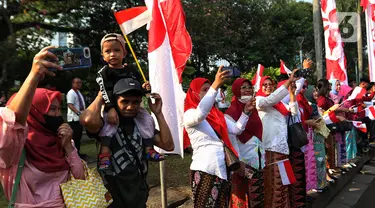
(127, 85)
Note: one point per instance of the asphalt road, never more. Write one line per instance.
(367, 200)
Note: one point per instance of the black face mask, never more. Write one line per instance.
(53, 122)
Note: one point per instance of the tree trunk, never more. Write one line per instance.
(359, 42)
(318, 33)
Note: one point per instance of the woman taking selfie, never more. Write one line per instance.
(32, 123)
(208, 130)
(273, 114)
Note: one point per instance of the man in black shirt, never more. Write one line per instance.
(126, 178)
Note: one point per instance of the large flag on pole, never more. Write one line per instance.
(133, 18)
(369, 7)
(335, 57)
(169, 48)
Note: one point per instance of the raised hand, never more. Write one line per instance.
(157, 106)
(250, 106)
(220, 78)
(307, 63)
(41, 64)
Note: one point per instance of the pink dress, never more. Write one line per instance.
(37, 189)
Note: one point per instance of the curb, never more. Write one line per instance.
(324, 198)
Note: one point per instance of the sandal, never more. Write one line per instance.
(152, 155)
(104, 163)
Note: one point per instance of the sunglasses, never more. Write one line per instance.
(305, 87)
(246, 87)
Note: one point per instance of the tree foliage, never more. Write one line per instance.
(242, 32)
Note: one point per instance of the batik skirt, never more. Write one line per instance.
(276, 194)
(310, 162)
(209, 191)
(297, 190)
(331, 151)
(351, 144)
(247, 192)
(320, 160)
(340, 149)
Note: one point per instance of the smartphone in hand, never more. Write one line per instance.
(233, 71)
(72, 58)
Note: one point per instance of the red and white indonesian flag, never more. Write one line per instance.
(283, 68)
(360, 126)
(330, 118)
(286, 172)
(169, 48)
(370, 112)
(357, 93)
(258, 76)
(133, 18)
(369, 7)
(335, 57)
(358, 109)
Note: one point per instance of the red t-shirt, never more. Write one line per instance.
(324, 102)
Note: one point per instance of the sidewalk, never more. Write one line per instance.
(327, 198)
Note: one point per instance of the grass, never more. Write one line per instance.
(176, 172)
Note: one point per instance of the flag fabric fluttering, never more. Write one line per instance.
(357, 93)
(258, 76)
(284, 69)
(168, 51)
(335, 57)
(360, 126)
(133, 18)
(330, 118)
(370, 112)
(368, 104)
(369, 7)
(286, 172)
(358, 109)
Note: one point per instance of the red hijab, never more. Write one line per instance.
(215, 117)
(304, 104)
(43, 148)
(254, 126)
(279, 106)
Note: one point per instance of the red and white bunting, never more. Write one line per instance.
(258, 76)
(283, 68)
(335, 57)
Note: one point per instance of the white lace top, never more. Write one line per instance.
(208, 151)
(275, 133)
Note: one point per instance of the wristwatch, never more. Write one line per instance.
(79, 113)
(248, 113)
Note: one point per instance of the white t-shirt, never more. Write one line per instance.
(72, 98)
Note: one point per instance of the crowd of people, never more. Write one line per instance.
(264, 130)
(263, 149)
